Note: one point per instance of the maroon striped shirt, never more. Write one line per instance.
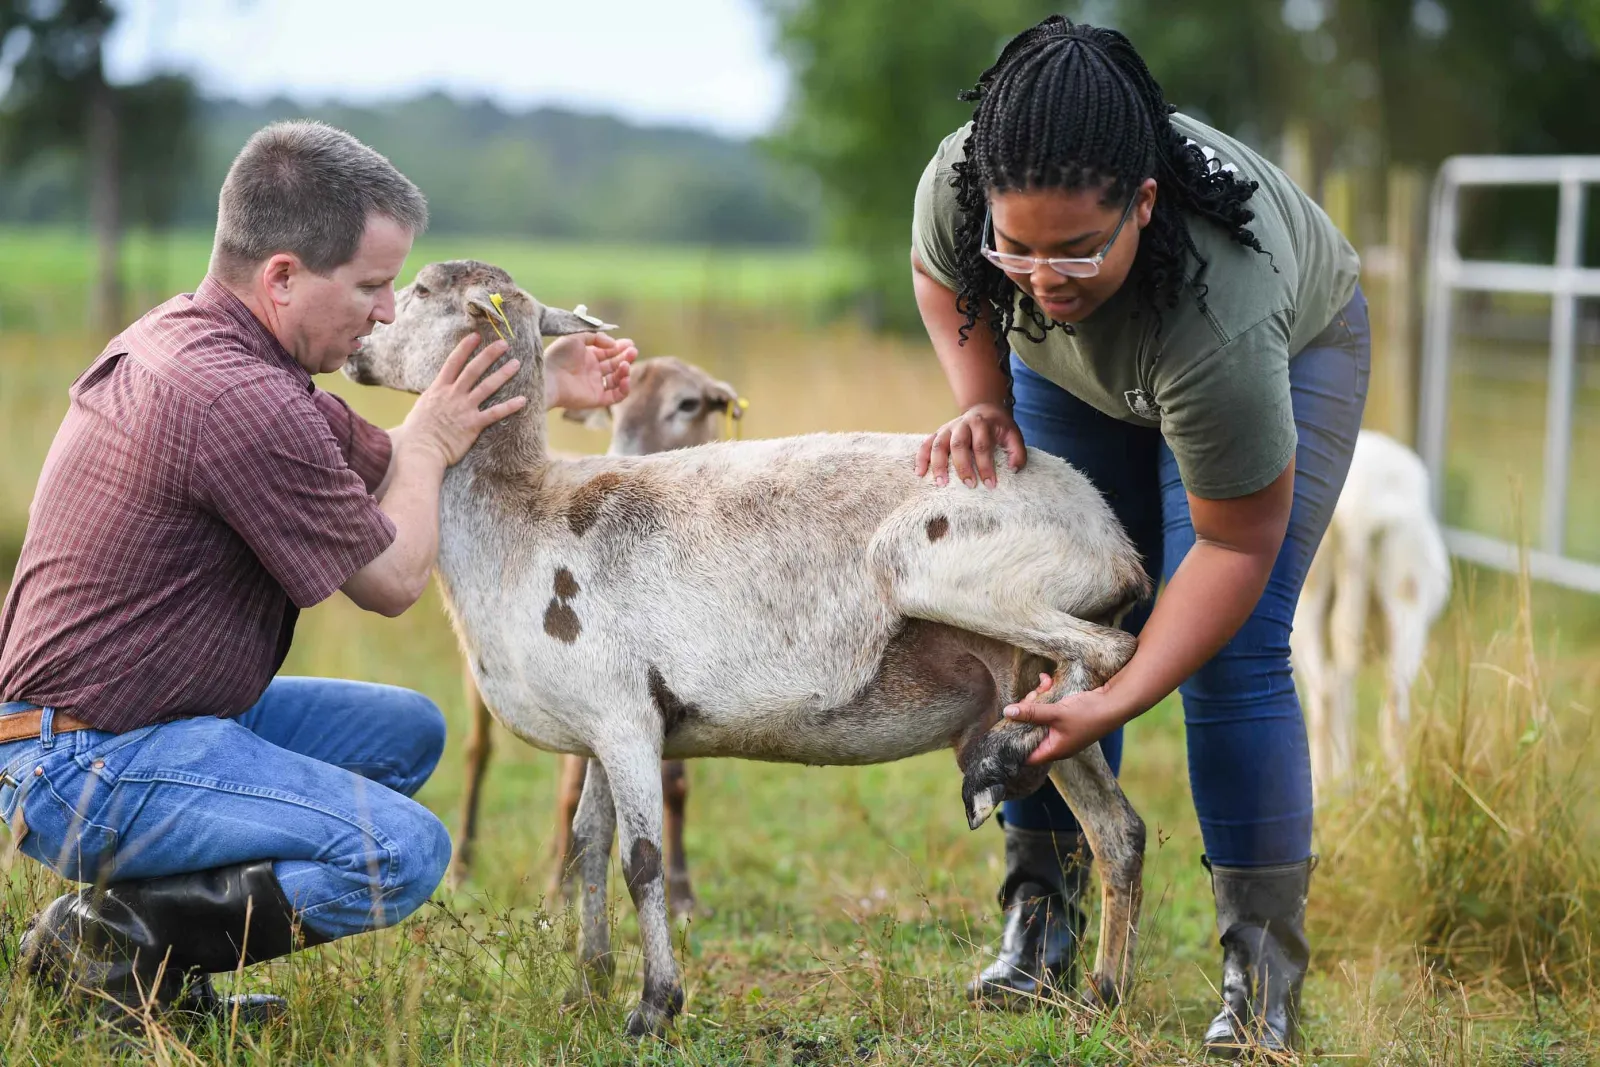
(199, 492)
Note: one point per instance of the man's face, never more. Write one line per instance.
(327, 315)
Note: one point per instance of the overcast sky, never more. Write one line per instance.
(704, 62)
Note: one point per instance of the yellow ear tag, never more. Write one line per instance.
(498, 302)
(731, 424)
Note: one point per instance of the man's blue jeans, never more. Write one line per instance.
(1249, 768)
(316, 777)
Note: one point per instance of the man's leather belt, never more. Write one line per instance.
(22, 725)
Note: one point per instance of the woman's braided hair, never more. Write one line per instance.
(1070, 106)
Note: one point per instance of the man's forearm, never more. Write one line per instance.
(410, 497)
(412, 501)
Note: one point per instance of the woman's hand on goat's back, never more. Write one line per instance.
(967, 443)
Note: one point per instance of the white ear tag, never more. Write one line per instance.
(582, 311)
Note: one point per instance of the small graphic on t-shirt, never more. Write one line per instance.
(1142, 404)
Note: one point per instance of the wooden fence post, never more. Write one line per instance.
(1405, 213)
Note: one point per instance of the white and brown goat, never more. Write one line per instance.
(805, 600)
(673, 405)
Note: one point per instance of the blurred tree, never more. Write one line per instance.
(1585, 12)
(1356, 85)
(874, 91)
(133, 143)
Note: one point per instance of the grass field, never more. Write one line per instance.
(1454, 924)
(45, 272)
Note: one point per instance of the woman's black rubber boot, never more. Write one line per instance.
(156, 942)
(1046, 874)
(1261, 913)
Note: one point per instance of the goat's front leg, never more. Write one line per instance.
(592, 830)
(480, 745)
(635, 775)
(1116, 838)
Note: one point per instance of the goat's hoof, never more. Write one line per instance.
(683, 904)
(650, 1020)
(1100, 992)
(594, 982)
(981, 804)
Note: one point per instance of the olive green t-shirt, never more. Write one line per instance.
(1214, 380)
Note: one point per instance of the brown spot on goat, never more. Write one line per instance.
(643, 866)
(589, 499)
(938, 526)
(673, 711)
(566, 584)
(622, 500)
(561, 622)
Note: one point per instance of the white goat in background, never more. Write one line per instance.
(1384, 544)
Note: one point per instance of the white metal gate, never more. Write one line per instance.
(1565, 282)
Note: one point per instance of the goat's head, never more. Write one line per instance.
(671, 405)
(446, 302)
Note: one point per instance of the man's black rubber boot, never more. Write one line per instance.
(157, 941)
(1046, 874)
(1261, 914)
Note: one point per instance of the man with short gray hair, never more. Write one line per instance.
(199, 493)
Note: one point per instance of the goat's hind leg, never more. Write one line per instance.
(1116, 837)
(675, 790)
(1086, 655)
(568, 795)
(592, 829)
(480, 745)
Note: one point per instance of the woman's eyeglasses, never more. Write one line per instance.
(1066, 266)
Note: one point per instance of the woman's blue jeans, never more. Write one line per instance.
(1249, 767)
(317, 777)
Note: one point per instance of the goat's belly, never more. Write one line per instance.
(930, 687)
(846, 736)
(525, 716)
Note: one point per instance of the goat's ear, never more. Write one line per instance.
(724, 397)
(554, 322)
(591, 418)
(489, 320)
(479, 308)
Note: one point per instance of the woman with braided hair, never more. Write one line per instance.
(1122, 286)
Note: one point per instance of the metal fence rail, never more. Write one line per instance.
(1565, 282)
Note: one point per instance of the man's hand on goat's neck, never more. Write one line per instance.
(443, 424)
(448, 416)
(587, 370)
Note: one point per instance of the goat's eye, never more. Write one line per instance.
(689, 406)
(418, 289)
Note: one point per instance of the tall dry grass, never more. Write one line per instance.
(1478, 874)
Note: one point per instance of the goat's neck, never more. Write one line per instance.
(507, 461)
(514, 448)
